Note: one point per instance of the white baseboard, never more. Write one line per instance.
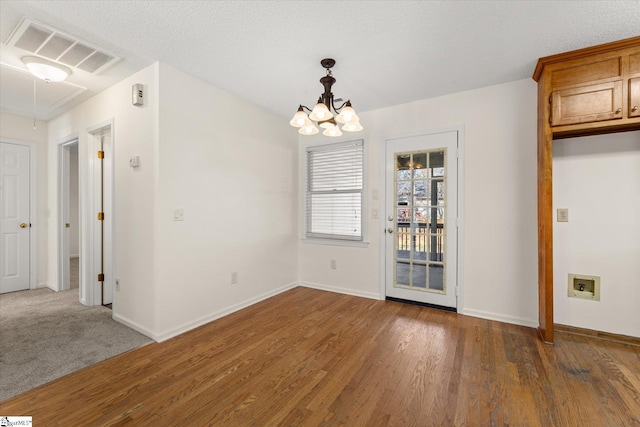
(163, 336)
(346, 291)
(499, 317)
(46, 285)
(135, 326)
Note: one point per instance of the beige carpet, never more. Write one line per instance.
(45, 335)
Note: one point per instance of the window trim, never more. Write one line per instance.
(302, 161)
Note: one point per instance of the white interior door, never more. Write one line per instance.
(421, 234)
(15, 222)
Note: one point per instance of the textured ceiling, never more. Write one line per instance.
(387, 52)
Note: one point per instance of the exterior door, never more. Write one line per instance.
(421, 234)
(15, 222)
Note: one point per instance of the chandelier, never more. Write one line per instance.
(321, 113)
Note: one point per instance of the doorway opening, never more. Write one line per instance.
(70, 226)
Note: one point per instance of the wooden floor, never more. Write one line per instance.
(308, 357)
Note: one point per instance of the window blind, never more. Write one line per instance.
(334, 191)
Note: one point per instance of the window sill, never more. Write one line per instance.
(331, 242)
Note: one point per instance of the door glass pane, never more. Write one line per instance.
(403, 192)
(419, 165)
(421, 215)
(436, 277)
(437, 191)
(403, 273)
(436, 163)
(404, 215)
(420, 222)
(403, 174)
(419, 276)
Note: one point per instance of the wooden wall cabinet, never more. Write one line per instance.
(590, 103)
(584, 92)
(634, 97)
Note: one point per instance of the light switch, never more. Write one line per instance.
(374, 194)
(563, 215)
(134, 161)
(178, 214)
(374, 213)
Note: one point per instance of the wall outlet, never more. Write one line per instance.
(117, 285)
(234, 278)
(563, 215)
(332, 264)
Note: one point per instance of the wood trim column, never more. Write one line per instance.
(545, 214)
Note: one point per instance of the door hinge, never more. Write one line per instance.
(101, 154)
(101, 277)
(100, 216)
(456, 291)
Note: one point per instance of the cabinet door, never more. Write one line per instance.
(634, 97)
(590, 103)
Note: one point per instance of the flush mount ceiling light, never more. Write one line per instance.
(322, 113)
(46, 70)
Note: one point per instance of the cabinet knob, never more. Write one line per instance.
(619, 110)
(635, 108)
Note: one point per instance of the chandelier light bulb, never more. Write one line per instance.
(347, 115)
(299, 119)
(353, 126)
(308, 128)
(333, 131)
(320, 113)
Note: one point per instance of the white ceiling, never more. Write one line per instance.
(387, 52)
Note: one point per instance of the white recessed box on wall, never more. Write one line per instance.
(581, 286)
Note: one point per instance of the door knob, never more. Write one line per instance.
(390, 218)
(67, 225)
(619, 110)
(389, 230)
(635, 108)
(23, 225)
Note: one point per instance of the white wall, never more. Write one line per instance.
(232, 168)
(230, 165)
(499, 277)
(135, 133)
(74, 207)
(598, 179)
(21, 129)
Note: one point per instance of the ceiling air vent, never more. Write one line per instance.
(50, 43)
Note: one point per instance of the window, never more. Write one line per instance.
(334, 191)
